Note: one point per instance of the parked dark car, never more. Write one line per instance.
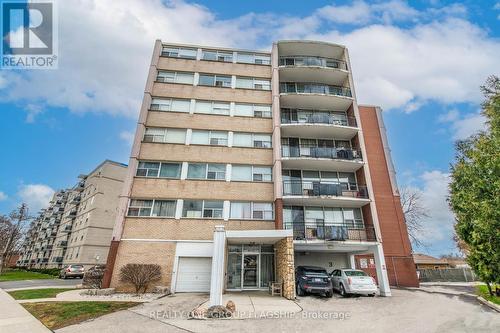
(75, 271)
(313, 280)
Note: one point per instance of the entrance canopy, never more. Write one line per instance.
(256, 236)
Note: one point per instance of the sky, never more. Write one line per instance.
(421, 61)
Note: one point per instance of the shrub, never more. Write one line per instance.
(140, 275)
(93, 277)
(48, 271)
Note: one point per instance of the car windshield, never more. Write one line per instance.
(355, 273)
(315, 271)
(76, 266)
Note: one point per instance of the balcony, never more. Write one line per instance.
(67, 228)
(317, 124)
(324, 193)
(321, 231)
(57, 259)
(315, 95)
(321, 158)
(62, 244)
(311, 68)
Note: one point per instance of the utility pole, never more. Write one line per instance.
(21, 216)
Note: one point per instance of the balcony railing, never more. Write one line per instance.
(314, 88)
(320, 118)
(329, 231)
(312, 61)
(321, 152)
(324, 188)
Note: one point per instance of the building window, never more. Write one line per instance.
(252, 140)
(252, 110)
(217, 56)
(148, 169)
(165, 135)
(215, 80)
(175, 77)
(168, 104)
(155, 208)
(252, 58)
(202, 208)
(251, 210)
(251, 173)
(206, 171)
(179, 52)
(214, 138)
(253, 83)
(210, 107)
(140, 207)
(159, 169)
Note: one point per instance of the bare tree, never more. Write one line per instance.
(12, 230)
(140, 275)
(414, 212)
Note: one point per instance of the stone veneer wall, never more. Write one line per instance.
(285, 268)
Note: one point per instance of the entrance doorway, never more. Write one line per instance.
(249, 267)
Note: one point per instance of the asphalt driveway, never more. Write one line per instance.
(416, 311)
(40, 283)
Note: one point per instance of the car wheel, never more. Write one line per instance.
(371, 295)
(300, 292)
(329, 294)
(342, 291)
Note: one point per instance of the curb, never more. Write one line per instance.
(488, 303)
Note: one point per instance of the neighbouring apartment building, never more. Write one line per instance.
(86, 218)
(246, 164)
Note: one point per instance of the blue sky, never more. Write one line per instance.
(422, 61)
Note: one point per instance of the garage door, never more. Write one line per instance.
(193, 274)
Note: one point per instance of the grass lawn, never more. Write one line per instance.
(15, 275)
(37, 293)
(482, 291)
(55, 315)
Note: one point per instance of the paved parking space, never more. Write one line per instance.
(45, 283)
(406, 311)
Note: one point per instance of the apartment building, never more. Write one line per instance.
(85, 231)
(39, 244)
(246, 164)
(81, 231)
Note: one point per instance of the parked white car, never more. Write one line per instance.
(353, 281)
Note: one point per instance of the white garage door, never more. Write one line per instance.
(193, 274)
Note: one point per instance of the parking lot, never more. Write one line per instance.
(430, 310)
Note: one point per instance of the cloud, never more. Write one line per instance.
(3, 196)
(32, 111)
(128, 137)
(438, 226)
(104, 55)
(36, 196)
(464, 126)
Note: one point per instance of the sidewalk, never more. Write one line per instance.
(14, 318)
(75, 296)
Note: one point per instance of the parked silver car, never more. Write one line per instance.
(75, 271)
(353, 281)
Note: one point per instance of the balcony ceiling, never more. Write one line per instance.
(315, 101)
(333, 246)
(324, 75)
(310, 48)
(319, 131)
(307, 163)
(325, 201)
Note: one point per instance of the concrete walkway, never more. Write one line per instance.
(75, 296)
(14, 318)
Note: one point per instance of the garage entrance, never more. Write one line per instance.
(193, 274)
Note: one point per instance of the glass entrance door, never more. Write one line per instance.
(250, 270)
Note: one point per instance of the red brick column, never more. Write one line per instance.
(278, 214)
(110, 264)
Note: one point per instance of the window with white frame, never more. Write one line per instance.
(215, 80)
(170, 104)
(252, 110)
(159, 169)
(165, 135)
(175, 77)
(214, 138)
(252, 58)
(212, 107)
(252, 140)
(251, 173)
(251, 210)
(206, 171)
(179, 52)
(202, 208)
(214, 55)
(253, 83)
(155, 208)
